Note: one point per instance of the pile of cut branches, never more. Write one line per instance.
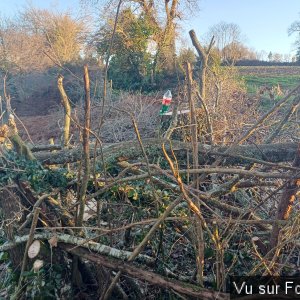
(147, 218)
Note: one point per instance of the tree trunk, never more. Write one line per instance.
(239, 154)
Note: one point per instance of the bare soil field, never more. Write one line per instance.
(269, 70)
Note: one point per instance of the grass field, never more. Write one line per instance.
(287, 77)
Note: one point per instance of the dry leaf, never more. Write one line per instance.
(53, 241)
(37, 265)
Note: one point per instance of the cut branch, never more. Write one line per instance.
(86, 148)
(286, 202)
(66, 104)
(152, 278)
(76, 241)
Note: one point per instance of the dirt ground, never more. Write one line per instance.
(39, 119)
(39, 129)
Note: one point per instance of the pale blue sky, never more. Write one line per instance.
(9, 7)
(263, 22)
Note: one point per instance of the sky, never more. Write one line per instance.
(264, 23)
(10, 7)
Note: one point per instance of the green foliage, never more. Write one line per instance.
(3, 256)
(130, 72)
(44, 284)
(137, 192)
(47, 283)
(9, 282)
(40, 178)
(130, 63)
(186, 55)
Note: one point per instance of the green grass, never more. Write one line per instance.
(287, 77)
(255, 82)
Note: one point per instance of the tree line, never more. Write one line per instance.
(138, 44)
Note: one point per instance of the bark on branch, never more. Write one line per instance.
(155, 279)
(286, 202)
(86, 147)
(65, 102)
(77, 241)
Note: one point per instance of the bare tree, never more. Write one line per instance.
(63, 36)
(20, 50)
(35, 39)
(295, 29)
(228, 37)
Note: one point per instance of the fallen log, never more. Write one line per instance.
(50, 147)
(275, 153)
(151, 277)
